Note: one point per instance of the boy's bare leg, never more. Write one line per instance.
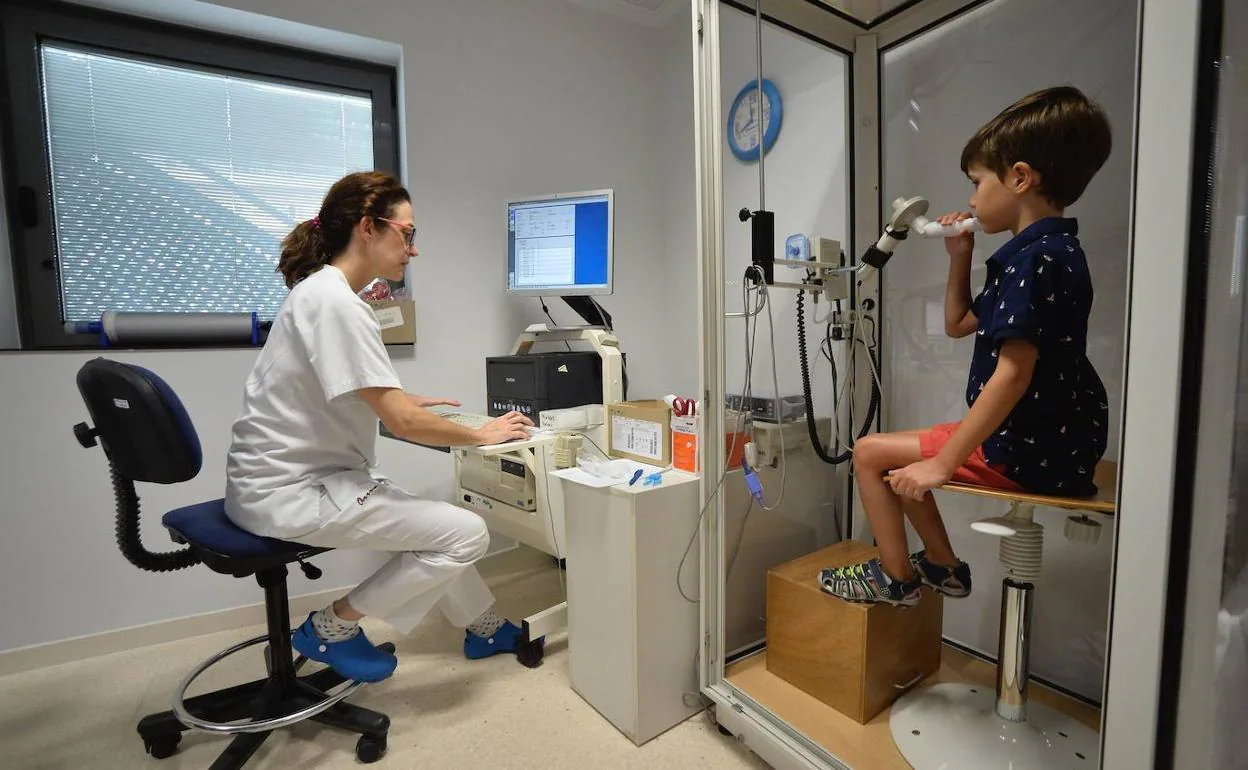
(925, 518)
(874, 456)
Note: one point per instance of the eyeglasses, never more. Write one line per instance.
(407, 231)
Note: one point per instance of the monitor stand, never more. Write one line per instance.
(593, 313)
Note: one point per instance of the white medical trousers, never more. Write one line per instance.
(435, 545)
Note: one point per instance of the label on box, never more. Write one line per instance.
(685, 444)
(637, 437)
(389, 317)
(685, 425)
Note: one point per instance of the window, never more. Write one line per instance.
(152, 168)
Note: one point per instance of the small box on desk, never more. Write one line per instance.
(641, 431)
(397, 318)
(856, 658)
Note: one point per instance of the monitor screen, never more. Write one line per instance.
(560, 245)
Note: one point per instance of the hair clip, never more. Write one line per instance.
(315, 222)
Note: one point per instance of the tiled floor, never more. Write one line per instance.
(445, 711)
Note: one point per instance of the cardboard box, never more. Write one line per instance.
(856, 658)
(641, 431)
(397, 318)
(686, 432)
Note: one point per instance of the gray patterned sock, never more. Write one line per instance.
(332, 628)
(486, 625)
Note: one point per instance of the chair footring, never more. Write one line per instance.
(261, 700)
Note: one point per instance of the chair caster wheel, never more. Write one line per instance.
(370, 748)
(723, 730)
(530, 654)
(164, 746)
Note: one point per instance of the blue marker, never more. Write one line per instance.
(636, 476)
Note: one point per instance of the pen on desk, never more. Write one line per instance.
(636, 476)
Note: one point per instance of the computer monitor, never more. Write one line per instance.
(561, 245)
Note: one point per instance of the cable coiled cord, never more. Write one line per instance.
(811, 426)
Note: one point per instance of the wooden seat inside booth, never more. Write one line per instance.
(1104, 501)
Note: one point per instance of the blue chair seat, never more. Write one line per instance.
(224, 547)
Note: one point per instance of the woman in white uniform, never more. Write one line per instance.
(301, 463)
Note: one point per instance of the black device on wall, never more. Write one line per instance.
(762, 241)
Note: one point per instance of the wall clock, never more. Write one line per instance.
(746, 121)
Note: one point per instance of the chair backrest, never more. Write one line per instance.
(141, 423)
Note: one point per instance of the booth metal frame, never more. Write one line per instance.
(1163, 619)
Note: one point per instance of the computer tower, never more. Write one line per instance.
(534, 382)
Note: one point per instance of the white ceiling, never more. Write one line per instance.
(658, 13)
(864, 11)
(651, 13)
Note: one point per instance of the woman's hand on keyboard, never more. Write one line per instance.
(510, 427)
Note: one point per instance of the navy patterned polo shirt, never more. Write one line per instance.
(1038, 288)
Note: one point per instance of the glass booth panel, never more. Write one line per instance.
(1225, 385)
(937, 89)
(805, 182)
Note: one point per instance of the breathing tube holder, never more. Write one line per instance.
(905, 212)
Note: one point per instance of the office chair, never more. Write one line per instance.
(147, 436)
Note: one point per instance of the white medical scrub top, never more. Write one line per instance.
(304, 430)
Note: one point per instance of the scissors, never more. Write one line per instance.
(684, 407)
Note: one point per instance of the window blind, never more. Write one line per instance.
(173, 186)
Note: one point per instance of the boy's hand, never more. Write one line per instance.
(915, 480)
(959, 246)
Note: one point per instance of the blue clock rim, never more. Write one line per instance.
(772, 94)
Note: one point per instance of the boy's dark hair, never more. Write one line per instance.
(1059, 132)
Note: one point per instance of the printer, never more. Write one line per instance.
(532, 383)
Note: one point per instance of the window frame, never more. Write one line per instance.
(24, 25)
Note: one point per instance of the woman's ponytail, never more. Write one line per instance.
(303, 252)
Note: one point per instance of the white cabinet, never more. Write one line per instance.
(632, 637)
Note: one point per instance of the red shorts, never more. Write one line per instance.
(976, 470)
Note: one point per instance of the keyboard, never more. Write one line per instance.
(474, 421)
(478, 421)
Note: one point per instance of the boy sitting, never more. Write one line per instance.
(1038, 410)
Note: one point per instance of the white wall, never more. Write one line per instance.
(937, 90)
(806, 180)
(678, 158)
(61, 574)
(502, 99)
